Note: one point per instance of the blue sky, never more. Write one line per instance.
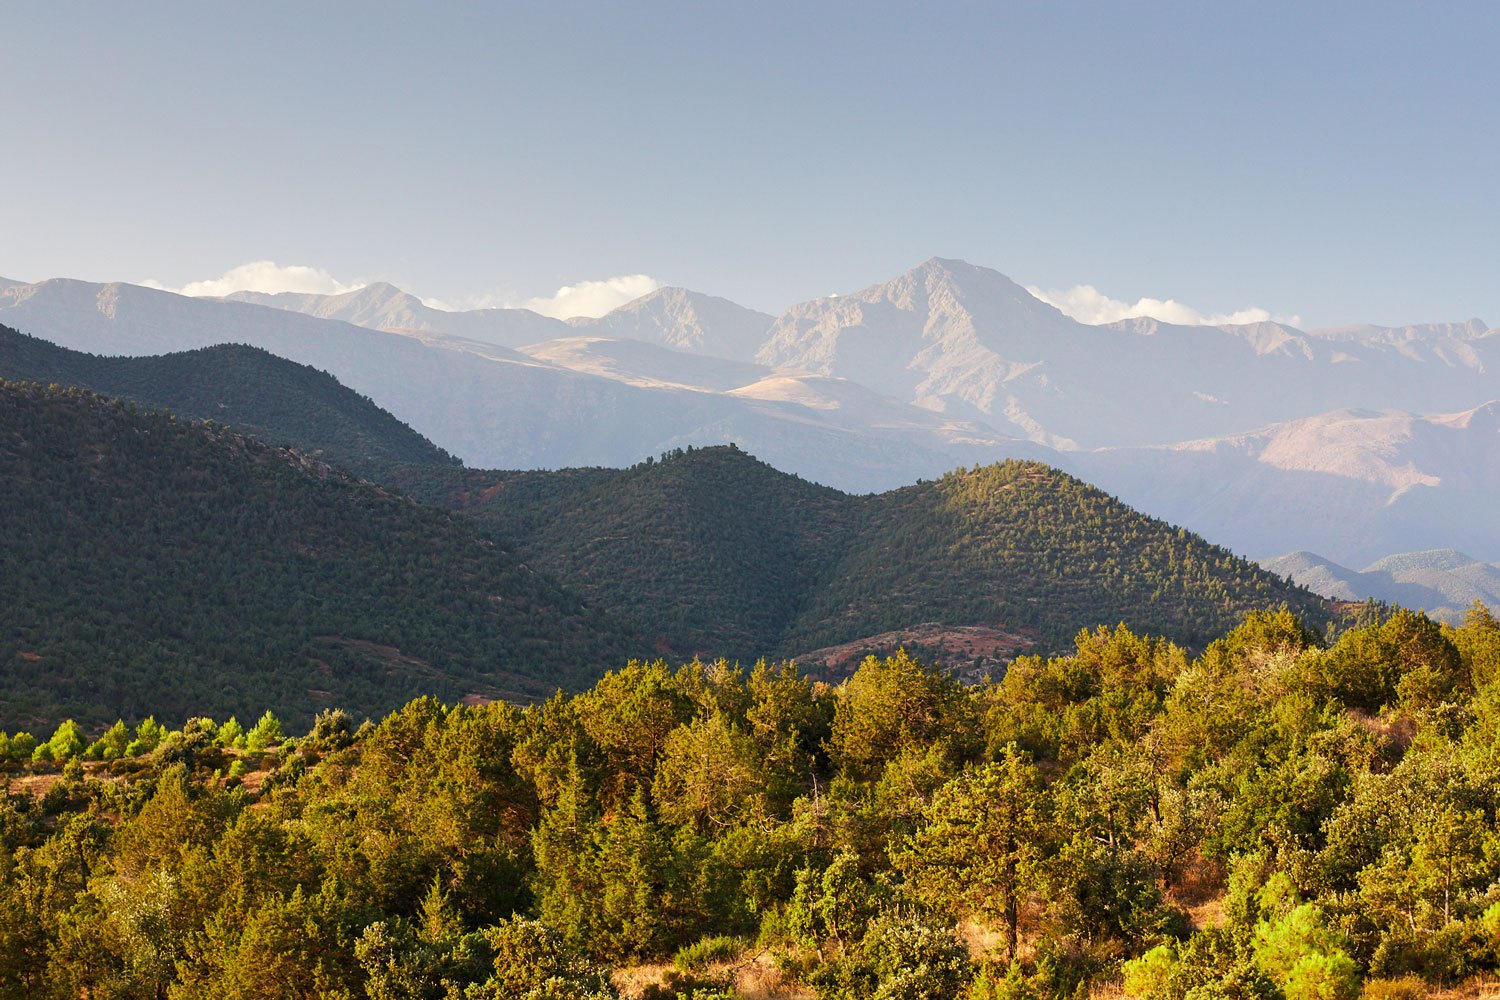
(1336, 162)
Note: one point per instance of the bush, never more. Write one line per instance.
(67, 742)
(900, 958)
(530, 956)
(992, 984)
(231, 735)
(267, 732)
(691, 986)
(148, 736)
(1147, 977)
(709, 949)
(1329, 976)
(111, 746)
(1281, 944)
(1405, 988)
(331, 730)
(22, 746)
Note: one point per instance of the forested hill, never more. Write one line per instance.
(150, 564)
(251, 390)
(1021, 545)
(716, 552)
(711, 550)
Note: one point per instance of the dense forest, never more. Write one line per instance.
(1286, 815)
(718, 553)
(254, 391)
(155, 564)
(710, 550)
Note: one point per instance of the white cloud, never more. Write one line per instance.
(593, 298)
(585, 298)
(1087, 304)
(264, 276)
(590, 299)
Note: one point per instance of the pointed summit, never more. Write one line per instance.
(380, 306)
(958, 280)
(687, 321)
(383, 306)
(946, 335)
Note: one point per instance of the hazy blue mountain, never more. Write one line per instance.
(1354, 442)
(962, 339)
(685, 320)
(1352, 484)
(382, 306)
(496, 407)
(1444, 582)
(671, 317)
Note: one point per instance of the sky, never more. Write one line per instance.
(1333, 163)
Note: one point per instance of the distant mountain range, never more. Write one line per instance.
(1353, 442)
(1355, 485)
(1443, 582)
(669, 317)
(498, 407)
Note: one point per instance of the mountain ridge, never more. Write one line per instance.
(1443, 582)
(254, 391)
(948, 380)
(1355, 484)
(496, 407)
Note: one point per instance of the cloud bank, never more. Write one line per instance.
(585, 298)
(1087, 304)
(592, 299)
(263, 276)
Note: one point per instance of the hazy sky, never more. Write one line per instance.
(1337, 162)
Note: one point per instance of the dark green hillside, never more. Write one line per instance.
(150, 564)
(1023, 545)
(711, 550)
(252, 390)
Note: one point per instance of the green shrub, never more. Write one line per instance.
(1148, 976)
(1330, 976)
(1281, 944)
(1406, 988)
(709, 949)
(21, 746)
(1012, 984)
